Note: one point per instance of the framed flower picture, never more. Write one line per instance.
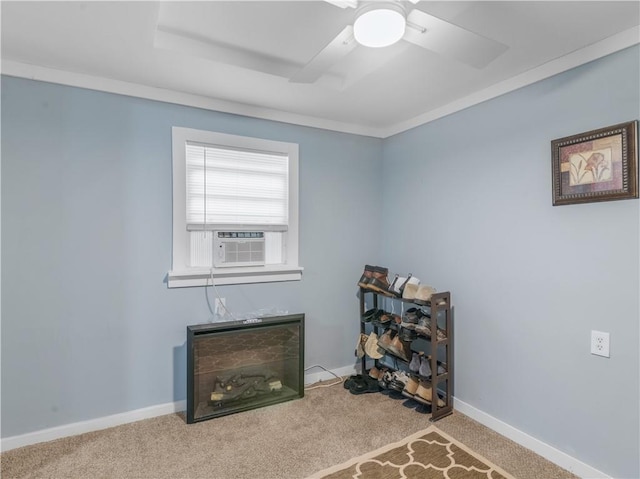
(599, 165)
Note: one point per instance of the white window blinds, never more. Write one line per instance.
(227, 186)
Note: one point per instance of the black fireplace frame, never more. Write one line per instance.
(197, 331)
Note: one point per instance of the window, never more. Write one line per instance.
(235, 209)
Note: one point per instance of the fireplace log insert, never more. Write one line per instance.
(240, 365)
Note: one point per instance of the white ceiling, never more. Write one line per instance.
(239, 56)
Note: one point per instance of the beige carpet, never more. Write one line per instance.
(428, 454)
(286, 441)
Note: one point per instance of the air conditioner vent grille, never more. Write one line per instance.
(239, 248)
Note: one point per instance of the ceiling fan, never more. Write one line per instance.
(416, 26)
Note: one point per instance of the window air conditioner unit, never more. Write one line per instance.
(238, 248)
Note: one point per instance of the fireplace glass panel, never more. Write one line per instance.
(240, 365)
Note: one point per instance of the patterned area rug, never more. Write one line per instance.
(428, 454)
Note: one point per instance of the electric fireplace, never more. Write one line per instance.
(240, 365)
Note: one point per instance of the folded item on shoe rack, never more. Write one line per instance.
(371, 347)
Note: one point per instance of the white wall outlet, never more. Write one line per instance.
(600, 343)
(219, 308)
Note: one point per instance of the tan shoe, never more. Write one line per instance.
(424, 394)
(424, 293)
(379, 281)
(385, 340)
(411, 387)
(398, 348)
(411, 288)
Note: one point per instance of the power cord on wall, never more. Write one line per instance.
(220, 302)
(340, 380)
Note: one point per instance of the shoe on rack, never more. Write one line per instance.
(399, 348)
(425, 367)
(370, 314)
(371, 347)
(411, 387)
(425, 370)
(386, 319)
(384, 378)
(381, 321)
(379, 281)
(407, 334)
(414, 365)
(362, 340)
(367, 276)
(424, 394)
(411, 288)
(423, 294)
(440, 334)
(374, 373)
(399, 381)
(385, 340)
(410, 318)
(423, 327)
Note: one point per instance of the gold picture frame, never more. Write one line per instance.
(599, 165)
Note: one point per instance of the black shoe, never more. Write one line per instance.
(369, 315)
(357, 378)
(367, 385)
(408, 334)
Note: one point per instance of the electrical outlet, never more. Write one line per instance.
(600, 343)
(219, 308)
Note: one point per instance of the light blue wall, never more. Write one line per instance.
(89, 327)
(467, 208)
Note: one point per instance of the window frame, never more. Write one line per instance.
(183, 275)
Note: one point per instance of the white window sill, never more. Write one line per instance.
(222, 276)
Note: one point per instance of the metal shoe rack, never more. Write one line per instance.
(439, 350)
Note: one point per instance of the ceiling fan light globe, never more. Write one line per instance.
(379, 27)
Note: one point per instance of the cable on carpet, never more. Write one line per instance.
(340, 380)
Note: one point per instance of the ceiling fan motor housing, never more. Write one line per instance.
(379, 24)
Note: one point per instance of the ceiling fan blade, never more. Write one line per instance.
(451, 40)
(337, 49)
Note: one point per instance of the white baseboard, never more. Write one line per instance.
(98, 424)
(543, 449)
(82, 427)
